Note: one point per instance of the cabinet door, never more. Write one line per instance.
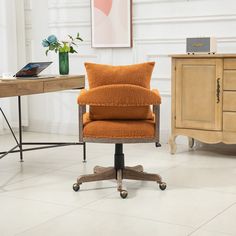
(199, 93)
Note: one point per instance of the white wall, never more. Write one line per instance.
(2, 42)
(159, 29)
(12, 43)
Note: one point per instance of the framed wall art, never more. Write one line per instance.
(111, 23)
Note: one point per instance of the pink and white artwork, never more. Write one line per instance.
(111, 23)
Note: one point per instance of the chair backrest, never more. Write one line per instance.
(103, 75)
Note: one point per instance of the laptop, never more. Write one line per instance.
(32, 70)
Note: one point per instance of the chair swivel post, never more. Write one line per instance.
(119, 161)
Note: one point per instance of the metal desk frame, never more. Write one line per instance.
(43, 145)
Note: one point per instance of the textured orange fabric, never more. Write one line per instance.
(137, 74)
(157, 93)
(117, 86)
(119, 95)
(120, 113)
(118, 129)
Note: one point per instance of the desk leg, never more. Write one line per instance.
(20, 129)
(84, 152)
(3, 154)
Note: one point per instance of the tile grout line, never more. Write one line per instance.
(197, 188)
(61, 215)
(83, 206)
(136, 217)
(36, 200)
(53, 203)
(208, 221)
(45, 172)
(213, 231)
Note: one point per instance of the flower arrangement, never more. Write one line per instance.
(53, 44)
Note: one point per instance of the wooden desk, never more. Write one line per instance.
(20, 87)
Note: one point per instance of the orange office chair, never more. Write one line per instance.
(119, 102)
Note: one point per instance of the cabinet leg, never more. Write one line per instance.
(172, 144)
(190, 142)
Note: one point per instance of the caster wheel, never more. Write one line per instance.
(162, 186)
(191, 143)
(157, 144)
(76, 187)
(124, 194)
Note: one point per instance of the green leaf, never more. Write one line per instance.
(52, 47)
(72, 50)
(79, 39)
(57, 44)
(70, 37)
(47, 52)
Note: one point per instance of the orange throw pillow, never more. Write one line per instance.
(120, 113)
(137, 74)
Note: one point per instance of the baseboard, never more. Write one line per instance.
(6, 130)
(53, 128)
(165, 135)
(72, 129)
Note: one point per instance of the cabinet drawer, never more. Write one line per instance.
(229, 101)
(230, 63)
(229, 121)
(230, 80)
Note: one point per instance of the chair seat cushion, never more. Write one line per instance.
(118, 129)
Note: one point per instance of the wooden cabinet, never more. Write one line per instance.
(203, 98)
(198, 105)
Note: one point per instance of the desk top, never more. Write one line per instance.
(19, 87)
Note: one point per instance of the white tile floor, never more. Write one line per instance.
(36, 197)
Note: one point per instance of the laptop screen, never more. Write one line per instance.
(32, 69)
